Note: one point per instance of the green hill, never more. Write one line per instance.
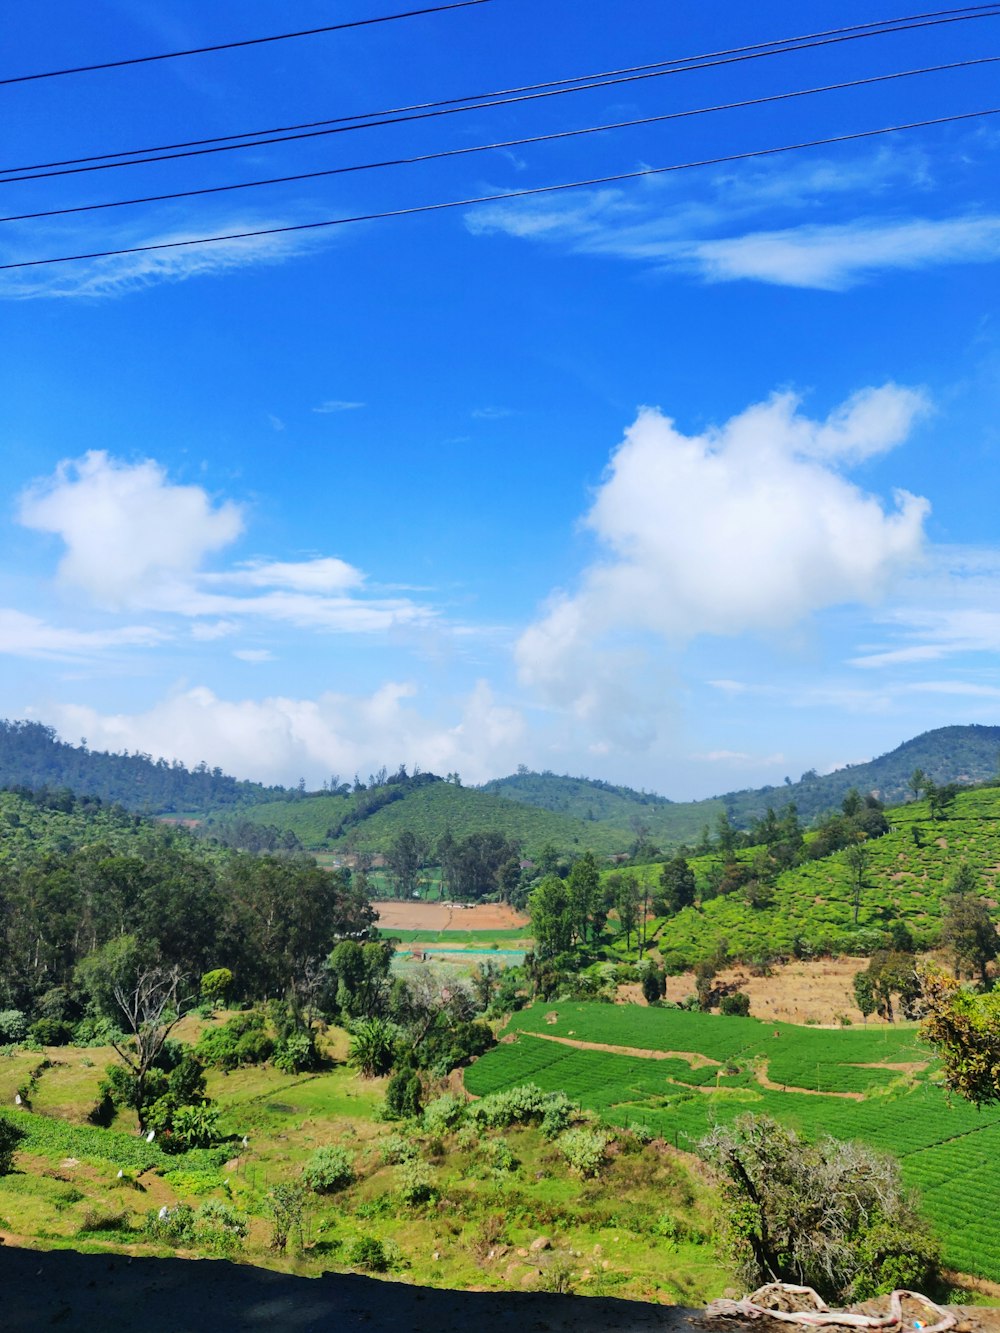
(641, 814)
(429, 809)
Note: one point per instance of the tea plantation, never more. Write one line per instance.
(678, 1073)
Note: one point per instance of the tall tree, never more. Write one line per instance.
(967, 928)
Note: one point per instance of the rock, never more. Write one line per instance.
(540, 1243)
(522, 1253)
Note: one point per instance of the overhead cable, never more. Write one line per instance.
(232, 46)
(504, 195)
(506, 143)
(483, 101)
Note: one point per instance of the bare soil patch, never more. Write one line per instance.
(401, 914)
(808, 991)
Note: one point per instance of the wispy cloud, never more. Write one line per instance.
(119, 275)
(491, 413)
(337, 405)
(23, 635)
(688, 227)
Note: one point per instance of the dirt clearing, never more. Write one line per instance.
(399, 914)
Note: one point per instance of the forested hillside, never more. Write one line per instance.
(32, 756)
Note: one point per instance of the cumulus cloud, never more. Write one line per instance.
(125, 526)
(279, 739)
(134, 539)
(751, 526)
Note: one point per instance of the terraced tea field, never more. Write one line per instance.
(679, 1073)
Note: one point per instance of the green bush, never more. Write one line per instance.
(244, 1040)
(328, 1170)
(175, 1226)
(413, 1182)
(367, 1252)
(444, 1113)
(584, 1150)
(394, 1148)
(500, 1156)
(737, 1005)
(402, 1096)
(11, 1135)
(525, 1104)
(51, 1032)
(13, 1026)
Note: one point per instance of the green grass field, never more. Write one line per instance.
(947, 1149)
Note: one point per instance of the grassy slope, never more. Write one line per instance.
(906, 882)
(66, 1190)
(947, 1149)
(429, 812)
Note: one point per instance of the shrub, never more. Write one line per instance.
(402, 1096)
(832, 1216)
(737, 1005)
(51, 1032)
(286, 1205)
(500, 1155)
(11, 1135)
(328, 1170)
(367, 1252)
(295, 1053)
(444, 1113)
(242, 1041)
(195, 1126)
(13, 1026)
(413, 1182)
(394, 1148)
(525, 1104)
(221, 1224)
(373, 1047)
(584, 1150)
(173, 1225)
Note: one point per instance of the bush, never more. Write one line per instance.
(367, 1252)
(737, 1005)
(286, 1206)
(402, 1096)
(328, 1170)
(394, 1148)
(833, 1216)
(584, 1150)
(525, 1104)
(444, 1113)
(51, 1032)
(220, 1225)
(194, 1127)
(242, 1041)
(13, 1027)
(500, 1155)
(413, 1182)
(173, 1225)
(373, 1047)
(11, 1135)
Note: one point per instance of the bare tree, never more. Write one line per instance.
(152, 1008)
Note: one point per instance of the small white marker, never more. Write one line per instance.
(151, 1136)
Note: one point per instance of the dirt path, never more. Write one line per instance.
(693, 1058)
(766, 1082)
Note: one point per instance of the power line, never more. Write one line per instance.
(232, 46)
(505, 195)
(507, 143)
(506, 97)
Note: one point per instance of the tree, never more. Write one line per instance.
(403, 858)
(149, 999)
(551, 917)
(965, 1030)
(967, 928)
(864, 996)
(857, 857)
(583, 889)
(626, 891)
(677, 884)
(833, 1216)
(917, 782)
(941, 799)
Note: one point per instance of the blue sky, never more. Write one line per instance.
(687, 481)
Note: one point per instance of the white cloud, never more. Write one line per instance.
(276, 422)
(207, 630)
(704, 224)
(279, 739)
(24, 635)
(337, 405)
(837, 257)
(126, 527)
(747, 527)
(253, 654)
(134, 539)
(323, 574)
(491, 413)
(118, 275)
